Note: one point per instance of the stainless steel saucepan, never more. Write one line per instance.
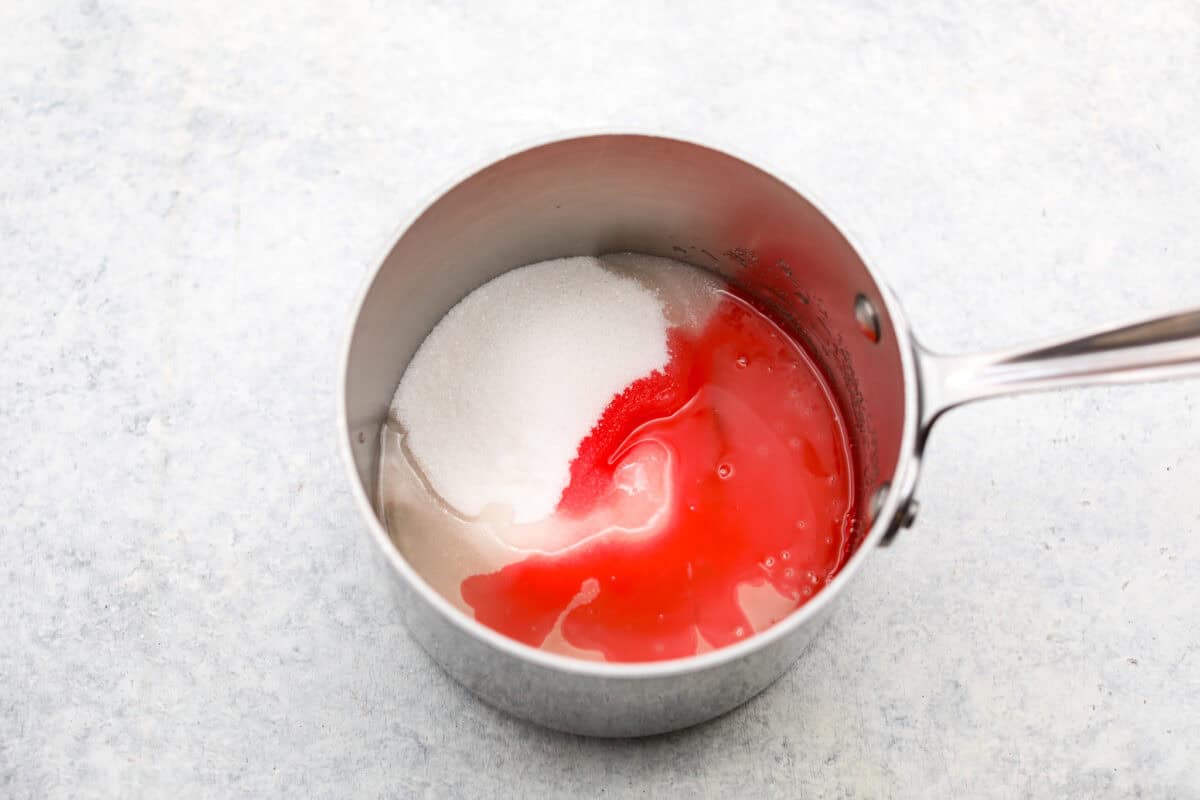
(614, 193)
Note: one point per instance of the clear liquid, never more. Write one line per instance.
(710, 501)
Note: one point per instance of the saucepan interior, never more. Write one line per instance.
(664, 197)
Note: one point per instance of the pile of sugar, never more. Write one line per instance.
(500, 394)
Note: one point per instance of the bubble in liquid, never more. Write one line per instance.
(742, 362)
(789, 573)
(725, 471)
(785, 555)
(806, 591)
(794, 442)
(801, 524)
(739, 631)
(662, 617)
(770, 562)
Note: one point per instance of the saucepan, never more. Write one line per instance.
(615, 193)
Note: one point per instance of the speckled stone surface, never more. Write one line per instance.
(190, 196)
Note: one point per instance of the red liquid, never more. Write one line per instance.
(762, 495)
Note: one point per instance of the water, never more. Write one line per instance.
(691, 475)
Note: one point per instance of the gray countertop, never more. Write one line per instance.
(189, 198)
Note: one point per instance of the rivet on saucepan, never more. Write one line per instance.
(867, 316)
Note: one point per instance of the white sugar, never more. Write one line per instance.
(500, 394)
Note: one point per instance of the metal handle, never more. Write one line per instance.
(1155, 349)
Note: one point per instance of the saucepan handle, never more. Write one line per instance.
(1160, 348)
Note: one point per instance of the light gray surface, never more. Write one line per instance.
(188, 199)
